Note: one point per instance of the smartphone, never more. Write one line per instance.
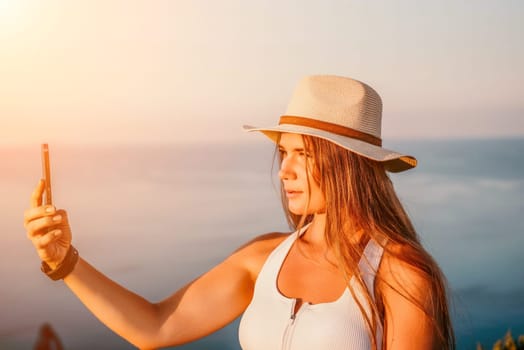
(46, 174)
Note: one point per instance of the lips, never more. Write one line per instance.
(292, 193)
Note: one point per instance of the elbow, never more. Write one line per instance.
(149, 334)
(157, 333)
(154, 342)
(144, 346)
(147, 341)
(143, 341)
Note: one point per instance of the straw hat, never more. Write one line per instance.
(342, 110)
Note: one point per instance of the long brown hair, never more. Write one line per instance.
(360, 197)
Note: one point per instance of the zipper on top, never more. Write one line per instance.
(290, 327)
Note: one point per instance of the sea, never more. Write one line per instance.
(154, 217)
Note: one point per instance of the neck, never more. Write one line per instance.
(313, 245)
(314, 235)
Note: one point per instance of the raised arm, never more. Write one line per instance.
(203, 306)
(207, 304)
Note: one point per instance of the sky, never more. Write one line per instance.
(118, 72)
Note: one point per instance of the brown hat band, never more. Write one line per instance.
(330, 127)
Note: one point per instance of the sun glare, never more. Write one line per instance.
(8, 8)
(14, 15)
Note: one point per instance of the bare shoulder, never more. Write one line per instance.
(254, 253)
(401, 278)
(407, 287)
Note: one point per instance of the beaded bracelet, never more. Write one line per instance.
(64, 268)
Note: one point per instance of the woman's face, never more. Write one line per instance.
(295, 158)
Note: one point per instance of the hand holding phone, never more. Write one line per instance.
(51, 238)
(46, 174)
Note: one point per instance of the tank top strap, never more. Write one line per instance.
(369, 263)
(270, 269)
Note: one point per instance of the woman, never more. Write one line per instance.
(352, 276)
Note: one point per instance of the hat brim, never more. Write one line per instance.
(393, 161)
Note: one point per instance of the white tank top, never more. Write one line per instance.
(268, 323)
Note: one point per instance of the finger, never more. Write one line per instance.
(43, 241)
(34, 213)
(36, 196)
(63, 214)
(42, 225)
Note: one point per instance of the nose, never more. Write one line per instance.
(287, 171)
